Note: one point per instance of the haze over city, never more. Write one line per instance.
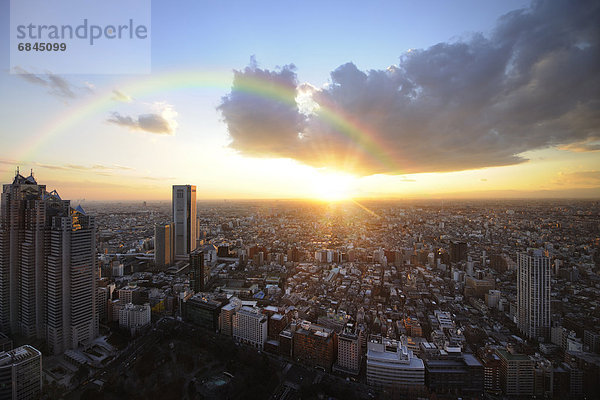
(324, 101)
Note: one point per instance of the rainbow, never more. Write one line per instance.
(103, 102)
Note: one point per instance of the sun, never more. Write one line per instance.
(332, 186)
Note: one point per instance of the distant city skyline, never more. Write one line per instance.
(400, 100)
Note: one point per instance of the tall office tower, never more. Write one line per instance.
(198, 273)
(21, 373)
(22, 232)
(533, 294)
(47, 266)
(163, 245)
(184, 219)
(71, 312)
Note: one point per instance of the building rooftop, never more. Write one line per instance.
(511, 356)
(18, 355)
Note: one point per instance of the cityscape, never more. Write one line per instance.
(325, 200)
(298, 299)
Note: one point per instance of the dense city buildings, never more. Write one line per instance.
(407, 299)
(276, 269)
(533, 294)
(184, 220)
(21, 373)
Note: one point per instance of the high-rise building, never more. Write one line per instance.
(491, 370)
(198, 271)
(163, 245)
(533, 294)
(458, 251)
(21, 373)
(184, 219)
(349, 351)
(101, 303)
(71, 312)
(22, 238)
(47, 266)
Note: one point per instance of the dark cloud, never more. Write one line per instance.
(263, 125)
(153, 123)
(161, 122)
(532, 84)
(56, 85)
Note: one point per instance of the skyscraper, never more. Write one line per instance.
(533, 294)
(47, 266)
(71, 314)
(184, 219)
(198, 272)
(22, 238)
(163, 245)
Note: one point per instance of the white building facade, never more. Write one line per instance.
(134, 317)
(250, 327)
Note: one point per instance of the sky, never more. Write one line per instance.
(323, 100)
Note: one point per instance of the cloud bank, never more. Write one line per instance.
(483, 102)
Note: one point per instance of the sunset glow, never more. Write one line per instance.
(333, 187)
(250, 122)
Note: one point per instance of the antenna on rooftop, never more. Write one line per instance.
(31, 173)
(17, 170)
